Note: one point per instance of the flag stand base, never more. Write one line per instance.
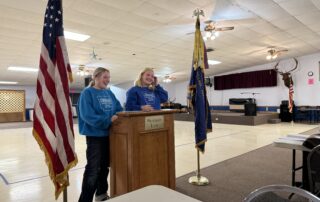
(198, 179)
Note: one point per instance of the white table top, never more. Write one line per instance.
(153, 193)
(292, 141)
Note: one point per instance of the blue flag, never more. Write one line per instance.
(197, 93)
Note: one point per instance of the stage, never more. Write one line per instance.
(227, 117)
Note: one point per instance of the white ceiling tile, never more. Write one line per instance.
(298, 7)
(16, 14)
(276, 10)
(286, 23)
(31, 6)
(98, 9)
(316, 3)
(280, 36)
(186, 7)
(202, 2)
(155, 13)
(122, 4)
(159, 37)
(73, 15)
(309, 18)
(109, 35)
(265, 28)
(140, 22)
(300, 31)
(126, 29)
(310, 38)
(245, 33)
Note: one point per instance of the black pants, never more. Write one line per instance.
(97, 168)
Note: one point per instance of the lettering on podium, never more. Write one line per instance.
(154, 122)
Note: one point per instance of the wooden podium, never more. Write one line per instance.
(142, 151)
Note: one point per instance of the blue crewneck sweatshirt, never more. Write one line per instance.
(95, 109)
(138, 96)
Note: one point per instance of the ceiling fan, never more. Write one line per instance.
(87, 68)
(83, 70)
(212, 31)
(212, 27)
(94, 55)
(224, 15)
(273, 53)
(167, 78)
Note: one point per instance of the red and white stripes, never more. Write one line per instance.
(53, 124)
(290, 106)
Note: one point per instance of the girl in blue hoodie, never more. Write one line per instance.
(97, 108)
(147, 94)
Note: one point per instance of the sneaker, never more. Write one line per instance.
(102, 197)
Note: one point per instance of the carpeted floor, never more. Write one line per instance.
(234, 179)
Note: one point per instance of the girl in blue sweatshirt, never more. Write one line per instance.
(147, 94)
(97, 107)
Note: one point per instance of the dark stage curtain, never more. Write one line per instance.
(264, 78)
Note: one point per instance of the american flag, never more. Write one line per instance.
(290, 106)
(197, 94)
(53, 125)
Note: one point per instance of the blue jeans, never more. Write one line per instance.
(97, 168)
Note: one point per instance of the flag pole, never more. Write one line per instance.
(198, 179)
(65, 195)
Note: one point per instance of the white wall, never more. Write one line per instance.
(119, 91)
(30, 92)
(304, 94)
(181, 92)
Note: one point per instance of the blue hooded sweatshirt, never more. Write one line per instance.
(138, 96)
(95, 109)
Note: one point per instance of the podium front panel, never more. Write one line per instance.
(153, 158)
(142, 154)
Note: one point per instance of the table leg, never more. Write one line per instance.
(305, 176)
(293, 171)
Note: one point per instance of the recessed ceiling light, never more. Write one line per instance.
(8, 82)
(213, 62)
(23, 69)
(75, 36)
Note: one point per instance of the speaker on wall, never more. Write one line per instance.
(285, 115)
(87, 81)
(207, 82)
(250, 109)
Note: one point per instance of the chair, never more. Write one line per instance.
(313, 163)
(266, 194)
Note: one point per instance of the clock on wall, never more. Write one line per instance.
(310, 73)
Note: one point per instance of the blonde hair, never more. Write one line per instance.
(138, 82)
(97, 72)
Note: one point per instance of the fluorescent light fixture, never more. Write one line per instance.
(213, 62)
(22, 69)
(75, 36)
(8, 82)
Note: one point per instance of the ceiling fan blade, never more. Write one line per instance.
(208, 21)
(190, 33)
(221, 29)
